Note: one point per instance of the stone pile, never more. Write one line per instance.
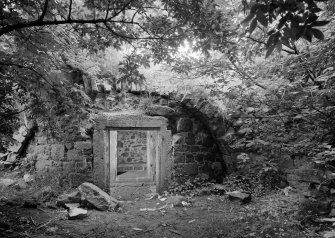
(89, 196)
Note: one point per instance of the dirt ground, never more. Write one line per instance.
(207, 216)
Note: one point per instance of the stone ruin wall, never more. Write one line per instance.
(193, 149)
(131, 151)
(71, 162)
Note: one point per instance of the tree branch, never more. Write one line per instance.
(263, 43)
(44, 11)
(70, 10)
(245, 75)
(21, 25)
(122, 9)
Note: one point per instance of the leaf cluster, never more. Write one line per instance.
(288, 21)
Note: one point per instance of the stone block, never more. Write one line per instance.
(41, 157)
(80, 166)
(208, 141)
(89, 166)
(177, 139)
(180, 148)
(158, 110)
(190, 139)
(198, 138)
(69, 146)
(190, 169)
(74, 155)
(179, 158)
(199, 158)
(195, 148)
(184, 125)
(189, 158)
(43, 164)
(41, 140)
(97, 198)
(84, 147)
(209, 157)
(68, 167)
(163, 102)
(57, 152)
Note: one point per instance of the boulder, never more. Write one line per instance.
(77, 213)
(241, 196)
(96, 198)
(70, 206)
(74, 197)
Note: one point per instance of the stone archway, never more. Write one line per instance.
(209, 113)
(212, 116)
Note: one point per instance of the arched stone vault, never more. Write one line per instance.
(211, 115)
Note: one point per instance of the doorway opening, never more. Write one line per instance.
(134, 154)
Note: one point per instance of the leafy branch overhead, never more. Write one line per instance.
(116, 22)
(286, 21)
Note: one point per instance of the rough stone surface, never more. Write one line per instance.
(196, 127)
(77, 213)
(70, 206)
(99, 175)
(184, 125)
(74, 197)
(158, 110)
(97, 198)
(241, 196)
(57, 152)
(190, 169)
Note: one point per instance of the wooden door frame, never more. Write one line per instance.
(101, 148)
(153, 155)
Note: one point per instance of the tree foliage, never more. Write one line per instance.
(44, 43)
(287, 21)
(50, 48)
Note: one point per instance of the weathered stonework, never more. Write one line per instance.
(190, 134)
(131, 150)
(65, 159)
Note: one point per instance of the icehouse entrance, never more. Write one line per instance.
(131, 150)
(133, 155)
